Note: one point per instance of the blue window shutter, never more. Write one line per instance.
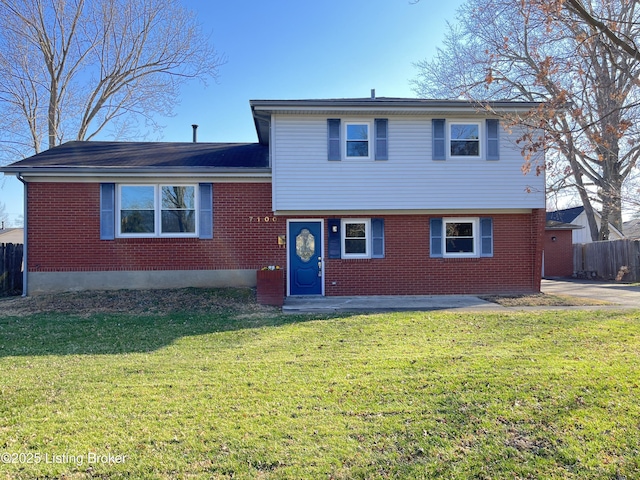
(493, 141)
(382, 138)
(107, 211)
(436, 237)
(486, 237)
(206, 210)
(333, 134)
(377, 237)
(334, 237)
(439, 139)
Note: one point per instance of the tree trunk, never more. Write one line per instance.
(52, 120)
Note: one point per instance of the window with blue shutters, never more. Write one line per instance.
(156, 210)
(458, 139)
(461, 237)
(355, 238)
(357, 139)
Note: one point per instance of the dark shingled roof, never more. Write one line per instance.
(160, 155)
(567, 215)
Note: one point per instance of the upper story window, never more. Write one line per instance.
(357, 140)
(156, 210)
(464, 139)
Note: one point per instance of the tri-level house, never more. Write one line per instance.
(374, 196)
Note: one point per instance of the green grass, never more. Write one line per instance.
(406, 395)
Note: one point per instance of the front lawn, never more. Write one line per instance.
(255, 394)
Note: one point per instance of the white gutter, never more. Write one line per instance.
(136, 172)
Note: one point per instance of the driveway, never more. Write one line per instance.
(616, 293)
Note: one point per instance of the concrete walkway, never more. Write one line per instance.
(386, 303)
(619, 295)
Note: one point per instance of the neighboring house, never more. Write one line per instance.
(577, 216)
(351, 197)
(12, 235)
(631, 229)
(558, 249)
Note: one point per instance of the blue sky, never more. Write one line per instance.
(281, 49)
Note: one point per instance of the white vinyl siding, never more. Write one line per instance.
(583, 235)
(303, 179)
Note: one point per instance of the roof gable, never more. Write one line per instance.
(567, 215)
(263, 109)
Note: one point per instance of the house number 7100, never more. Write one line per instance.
(263, 219)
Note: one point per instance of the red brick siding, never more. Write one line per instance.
(64, 235)
(558, 255)
(407, 268)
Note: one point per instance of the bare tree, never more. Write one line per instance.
(70, 68)
(596, 20)
(514, 50)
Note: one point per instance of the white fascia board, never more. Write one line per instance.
(381, 107)
(57, 173)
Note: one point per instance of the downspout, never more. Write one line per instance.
(24, 246)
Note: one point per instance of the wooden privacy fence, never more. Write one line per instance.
(610, 260)
(10, 269)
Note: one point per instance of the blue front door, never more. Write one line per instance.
(305, 257)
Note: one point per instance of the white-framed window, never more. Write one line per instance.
(357, 139)
(160, 210)
(356, 238)
(461, 237)
(464, 139)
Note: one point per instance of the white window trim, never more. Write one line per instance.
(367, 236)
(481, 134)
(476, 236)
(370, 143)
(157, 210)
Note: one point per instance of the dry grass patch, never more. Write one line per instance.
(139, 302)
(543, 300)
